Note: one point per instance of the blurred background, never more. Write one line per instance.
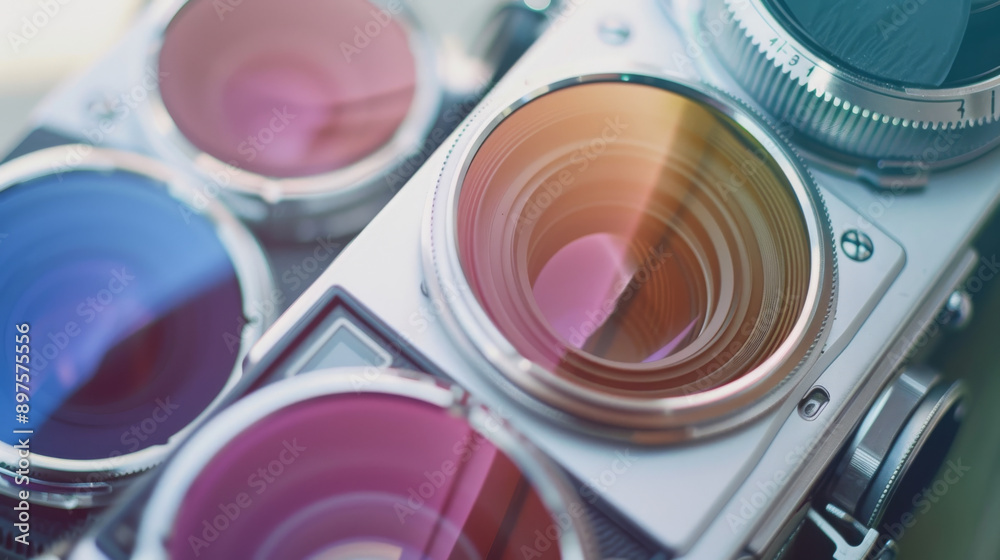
(80, 33)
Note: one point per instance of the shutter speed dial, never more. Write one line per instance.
(837, 101)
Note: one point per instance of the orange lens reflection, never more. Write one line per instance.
(634, 240)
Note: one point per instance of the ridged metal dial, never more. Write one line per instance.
(842, 111)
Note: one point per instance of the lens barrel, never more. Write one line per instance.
(298, 111)
(641, 254)
(137, 305)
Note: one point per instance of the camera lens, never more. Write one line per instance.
(915, 43)
(319, 467)
(885, 90)
(899, 448)
(287, 89)
(129, 294)
(636, 243)
(931, 43)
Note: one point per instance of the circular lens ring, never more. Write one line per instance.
(842, 117)
(917, 455)
(718, 317)
(646, 214)
(345, 186)
(898, 449)
(643, 420)
(255, 283)
(179, 476)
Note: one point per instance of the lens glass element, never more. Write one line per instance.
(289, 88)
(362, 476)
(633, 240)
(129, 296)
(931, 43)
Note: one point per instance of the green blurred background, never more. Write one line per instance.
(965, 523)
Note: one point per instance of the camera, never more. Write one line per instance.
(688, 251)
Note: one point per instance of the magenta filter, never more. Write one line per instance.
(333, 465)
(288, 88)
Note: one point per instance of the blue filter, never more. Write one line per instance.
(128, 296)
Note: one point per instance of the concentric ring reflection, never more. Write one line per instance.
(127, 303)
(633, 241)
(287, 88)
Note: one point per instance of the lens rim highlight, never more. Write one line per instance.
(905, 115)
(649, 421)
(57, 480)
(165, 503)
(314, 194)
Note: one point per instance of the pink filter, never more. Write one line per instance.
(360, 476)
(290, 88)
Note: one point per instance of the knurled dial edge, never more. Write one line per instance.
(840, 109)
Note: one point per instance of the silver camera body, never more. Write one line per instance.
(733, 492)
